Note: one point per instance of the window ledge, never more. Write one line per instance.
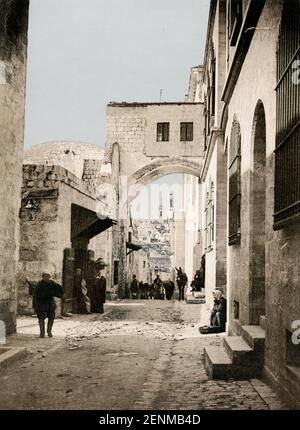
(234, 239)
(286, 222)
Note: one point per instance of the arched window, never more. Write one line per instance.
(287, 153)
(235, 184)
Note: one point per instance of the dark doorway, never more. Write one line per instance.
(85, 224)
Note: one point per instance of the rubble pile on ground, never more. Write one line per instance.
(91, 330)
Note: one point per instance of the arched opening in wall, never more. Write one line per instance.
(257, 221)
(163, 234)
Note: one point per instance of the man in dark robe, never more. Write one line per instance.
(181, 282)
(44, 303)
(202, 272)
(98, 294)
(196, 283)
(169, 288)
(142, 289)
(158, 288)
(134, 288)
(146, 290)
(82, 302)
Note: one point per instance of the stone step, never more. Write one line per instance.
(191, 299)
(9, 355)
(219, 365)
(254, 335)
(198, 295)
(217, 362)
(195, 301)
(263, 322)
(238, 350)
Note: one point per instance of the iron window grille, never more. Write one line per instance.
(163, 132)
(235, 184)
(287, 152)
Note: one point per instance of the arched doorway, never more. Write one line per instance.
(257, 216)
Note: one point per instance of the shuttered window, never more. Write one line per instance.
(287, 153)
(235, 184)
(163, 130)
(186, 132)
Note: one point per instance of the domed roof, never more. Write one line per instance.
(70, 155)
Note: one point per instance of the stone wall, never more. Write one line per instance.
(214, 166)
(13, 52)
(133, 127)
(92, 175)
(46, 230)
(282, 250)
(210, 255)
(243, 104)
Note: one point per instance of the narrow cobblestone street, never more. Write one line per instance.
(138, 355)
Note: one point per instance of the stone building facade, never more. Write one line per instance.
(191, 197)
(13, 54)
(251, 158)
(146, 141)
(178, 241)
(60, 225)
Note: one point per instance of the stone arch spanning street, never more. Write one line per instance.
(144, 142)
(162, 167)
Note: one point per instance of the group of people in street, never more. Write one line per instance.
(91, 298)
(158, 289)
(86, 300)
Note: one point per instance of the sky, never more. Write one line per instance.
(156, 196)
(83, 54)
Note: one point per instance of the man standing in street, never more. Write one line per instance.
(134, 288)
(158, 288)
(181, 282)
(98, 294)
(44, 303)
(82, 301)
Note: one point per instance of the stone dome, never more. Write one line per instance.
(70, 155)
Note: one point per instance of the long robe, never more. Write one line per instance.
(98, 294)
(82, 302)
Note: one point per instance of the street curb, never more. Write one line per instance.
(10, 354)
